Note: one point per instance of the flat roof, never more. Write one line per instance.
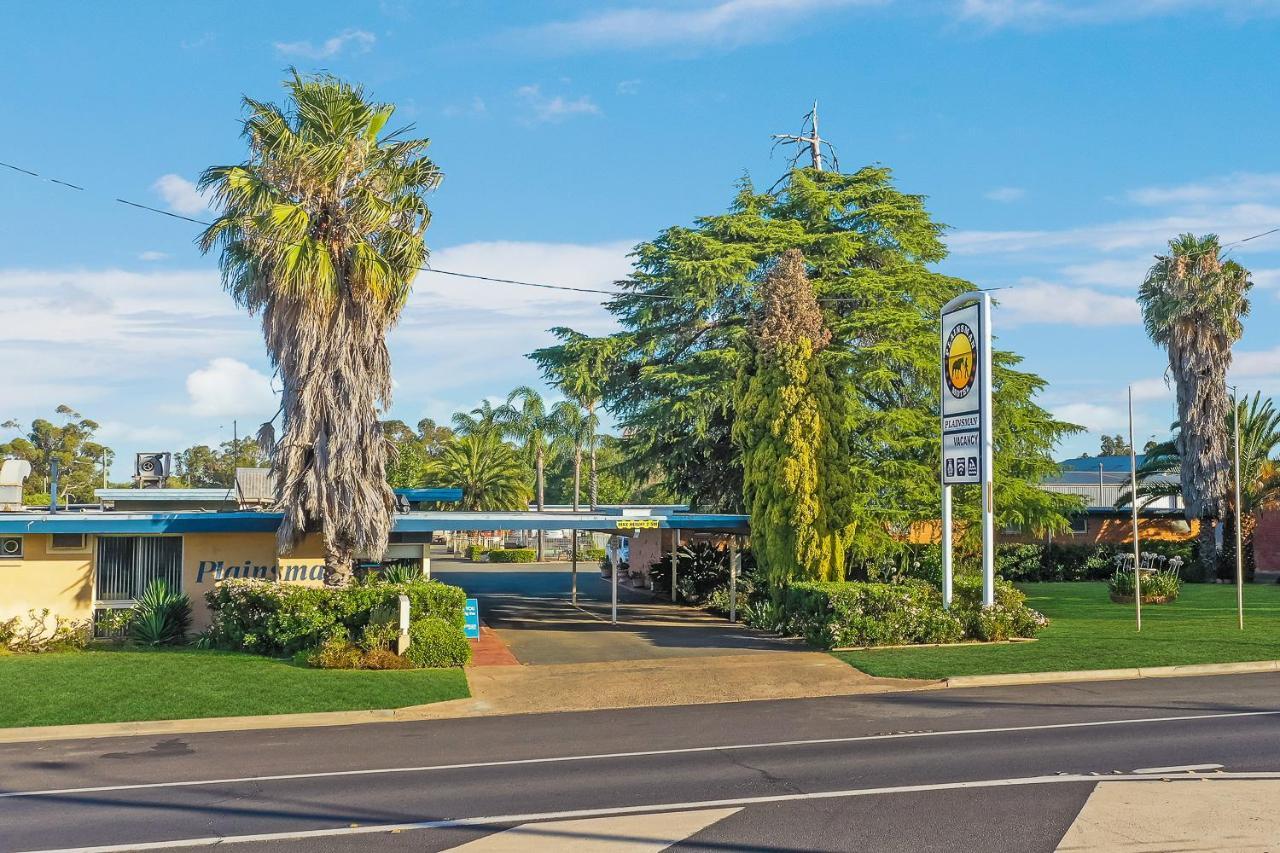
(97, 521)
(229, 494)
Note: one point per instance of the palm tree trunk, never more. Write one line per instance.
(577, 476)
(538, 463)
(591, 447)
(1207, 549)
(339, 566)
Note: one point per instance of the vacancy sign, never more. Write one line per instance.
(963, 390)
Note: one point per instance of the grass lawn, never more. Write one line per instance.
(116, 685)
(1088, 631)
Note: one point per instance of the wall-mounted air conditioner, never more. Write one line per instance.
(10, 547)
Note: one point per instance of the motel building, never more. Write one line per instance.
(83, 561)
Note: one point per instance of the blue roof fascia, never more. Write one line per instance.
(1110, 464)
(430, 495)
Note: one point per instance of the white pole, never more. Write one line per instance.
(988, 452)
(946, 547)
(1239, 515)
(1133, 495)
(573, 595)
(733, 578)
(675, 560)
(614, 606)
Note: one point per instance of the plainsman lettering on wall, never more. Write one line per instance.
(216, 570)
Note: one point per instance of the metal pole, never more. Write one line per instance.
(613, 565)
(675, 560)
(946, 547)
(1133, 500)
(1239, 515)
(573, 550)
(988, 452)
(733, 578)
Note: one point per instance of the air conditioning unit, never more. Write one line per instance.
(151, 470)
(12, 474)
(10, 547)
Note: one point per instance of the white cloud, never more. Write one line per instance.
(1033, 301)
(1146, 390)
(1126, 274)
(358, 41)
(1091, 416)
(725, 23)
(628, 87)
(150, 255)
(1227, 189)
(1267, 279)
(1039, 13)
(180, 194)
(1005, 195)
(227, 387)
(554, 107)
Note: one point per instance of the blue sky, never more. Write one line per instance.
(1063, 142)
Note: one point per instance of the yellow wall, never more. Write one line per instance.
(208, 558)
(60, 581)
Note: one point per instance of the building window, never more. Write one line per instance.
(127, 564)
(1079, 524)
(73, 542)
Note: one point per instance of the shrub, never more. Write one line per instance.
(701, 569)
(512, 555)
(1009, 617)
(337, 652)
(384, 659)
(400, 573)
(35, 633)
(868, 614)
(280, 619)
(591, 554)
(474, 552)
(161, 616)
(434, 642)
(1159, 584)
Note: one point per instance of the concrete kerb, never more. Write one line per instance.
(1014, 678)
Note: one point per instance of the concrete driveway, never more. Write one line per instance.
(528, 605)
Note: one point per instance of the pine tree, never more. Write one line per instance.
(789, 419)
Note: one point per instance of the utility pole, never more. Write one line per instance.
(1239, 513)
(808, 139)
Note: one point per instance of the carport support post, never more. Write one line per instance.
(675, 560)
(613, 571)
(733, 578)
(573, 595)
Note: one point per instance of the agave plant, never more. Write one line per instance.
(161, 616)
(400, 573)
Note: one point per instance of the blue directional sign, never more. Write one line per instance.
(471, 619)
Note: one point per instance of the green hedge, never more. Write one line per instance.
(512, 555)
(831, 615)
(595, 555)
(1030, 562)
(281, 619)
(435, 642)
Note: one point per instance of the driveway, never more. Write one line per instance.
(529, 606)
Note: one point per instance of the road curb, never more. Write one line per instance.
(1014, 678)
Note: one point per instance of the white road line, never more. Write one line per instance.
(1179, 768)
(491, 820)
(516, 762)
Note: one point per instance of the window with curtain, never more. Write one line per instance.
(126, 564)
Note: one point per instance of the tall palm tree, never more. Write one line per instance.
(487, 470)
(574, 428)
(1193, 302)
(526, 419)
(580, 367)
(481, 420)
(321, 234)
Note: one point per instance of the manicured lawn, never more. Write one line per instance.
(1088, 631)
(118, 685)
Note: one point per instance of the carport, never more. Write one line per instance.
(552, 613)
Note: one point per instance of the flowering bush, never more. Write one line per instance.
(281, 619)
(41, 631)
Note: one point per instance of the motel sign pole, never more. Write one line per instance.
(967, 437)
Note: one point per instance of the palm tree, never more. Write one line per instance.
(525, 418)
(321, 233)
(579, 367)
(574, 429)
(481, 420)
(487, 470)
(1193, 303)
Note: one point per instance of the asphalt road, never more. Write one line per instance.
(792, 775)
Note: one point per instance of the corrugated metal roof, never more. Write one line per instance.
(255, 486)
